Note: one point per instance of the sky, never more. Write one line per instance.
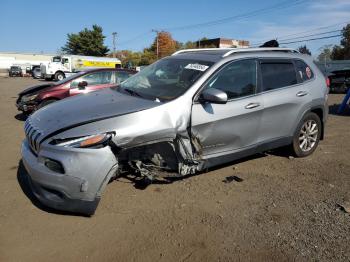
(42, 26)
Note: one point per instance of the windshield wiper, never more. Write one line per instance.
(132, 92)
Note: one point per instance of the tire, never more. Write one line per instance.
(46, 102)
(307, 135)
(59, 76)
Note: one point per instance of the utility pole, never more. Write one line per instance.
(114, 42)
(157, 32)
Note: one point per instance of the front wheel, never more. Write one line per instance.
(59, 76)
(307, 135)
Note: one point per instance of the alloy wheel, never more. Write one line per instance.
(308, 135)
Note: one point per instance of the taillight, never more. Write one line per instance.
(328, 82)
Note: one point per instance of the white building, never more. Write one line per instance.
(7, 59)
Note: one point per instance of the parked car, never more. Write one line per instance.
(84, 82)
(340, 81)
(15, 71)
(179, 116)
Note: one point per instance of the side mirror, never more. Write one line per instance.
(82, 84)
(213, 95)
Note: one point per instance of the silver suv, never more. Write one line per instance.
(181, 115)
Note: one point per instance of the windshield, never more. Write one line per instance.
(166, 79)
(56, 59)
(67, 79)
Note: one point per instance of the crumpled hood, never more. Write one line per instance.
(36, 88)
(86, 108)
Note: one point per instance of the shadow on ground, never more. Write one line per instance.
(21, 117)
(333, 110)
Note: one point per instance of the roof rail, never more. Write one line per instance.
(200, 49)
(260, 49)
(231, 51)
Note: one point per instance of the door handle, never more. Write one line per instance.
(302, 93)
(252, 105)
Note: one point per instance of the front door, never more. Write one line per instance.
(95, 81)
(225, 128)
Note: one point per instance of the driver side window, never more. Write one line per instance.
(237, 79)
(98, 78)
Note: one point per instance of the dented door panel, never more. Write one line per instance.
(228, 127)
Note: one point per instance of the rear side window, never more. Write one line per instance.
(304, 72)
(277, 74)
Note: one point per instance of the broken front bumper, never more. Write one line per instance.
(26, 108)
(79, 188)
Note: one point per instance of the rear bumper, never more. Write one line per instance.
(15, 73)
(78, 190)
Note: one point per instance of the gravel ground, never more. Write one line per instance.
(283, 208)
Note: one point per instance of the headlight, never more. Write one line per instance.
(94, 141)
(29, 98)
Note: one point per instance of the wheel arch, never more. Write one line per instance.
(55, 99)
(319, 111)
(60, 72)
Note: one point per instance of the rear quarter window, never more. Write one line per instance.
(304, 71)
(277, 74)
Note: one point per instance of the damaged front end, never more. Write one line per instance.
(161, 160)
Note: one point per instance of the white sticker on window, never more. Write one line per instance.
(197, 67)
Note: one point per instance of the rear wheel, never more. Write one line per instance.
(307, 136)
(59, 76)
(46, 102)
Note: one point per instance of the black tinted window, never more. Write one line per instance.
(236, 79)
(277, 74)
(304, 72)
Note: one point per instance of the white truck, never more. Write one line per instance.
(62, 66)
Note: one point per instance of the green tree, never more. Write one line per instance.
(86, 42)
(304, 50)
(129, 58)
(342, 51)
(338, 53)
(147, 57)
(190, 45)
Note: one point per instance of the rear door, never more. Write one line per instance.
(284, 95)
(223, 128)
(95, 81)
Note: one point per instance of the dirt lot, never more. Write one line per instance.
(284, 209)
